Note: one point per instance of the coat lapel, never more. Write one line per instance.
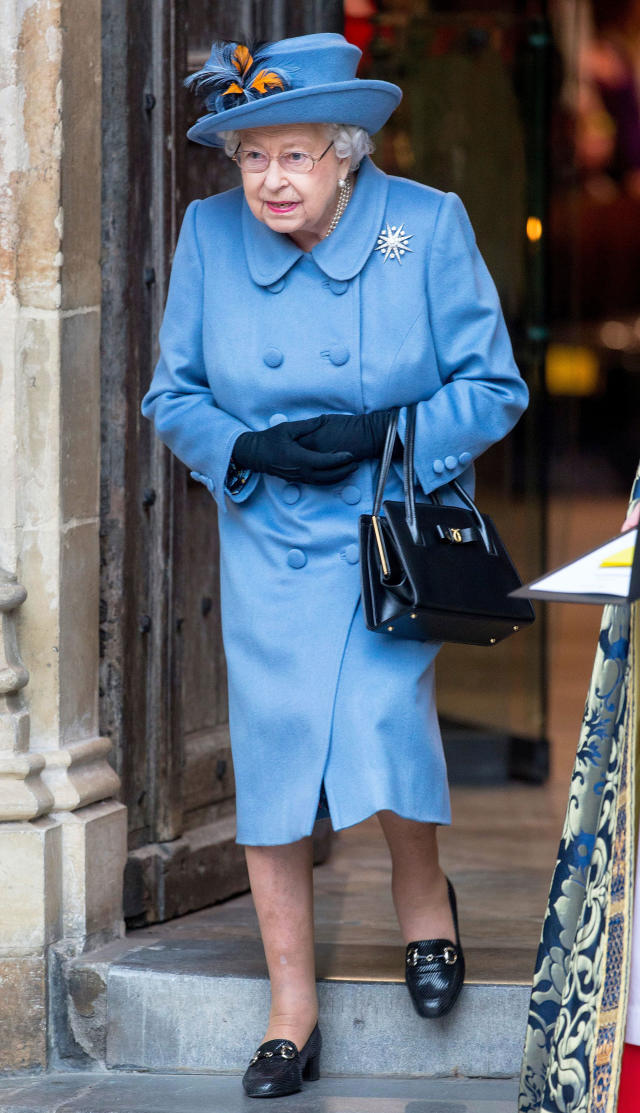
(269, 254)
(344, 253)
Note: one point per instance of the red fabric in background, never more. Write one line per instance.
(359, 32)
(629, 1092)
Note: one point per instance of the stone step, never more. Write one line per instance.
(182, 1005)
(140, 1093)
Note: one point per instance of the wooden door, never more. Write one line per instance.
(163, 682)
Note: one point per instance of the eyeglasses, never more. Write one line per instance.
(293, 162)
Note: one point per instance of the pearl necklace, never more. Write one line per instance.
(343, 200)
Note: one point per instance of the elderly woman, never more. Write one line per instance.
(303, 307)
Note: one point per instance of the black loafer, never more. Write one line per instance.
(278, 1068)
(434, 970)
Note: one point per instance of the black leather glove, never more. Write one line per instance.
(363, 435)
(277, 452)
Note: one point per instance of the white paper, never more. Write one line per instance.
(585, 576)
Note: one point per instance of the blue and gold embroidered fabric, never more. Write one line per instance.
(577, 1013)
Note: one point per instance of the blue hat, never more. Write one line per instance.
(309, 79)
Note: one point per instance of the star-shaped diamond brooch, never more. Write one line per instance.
(393, 242)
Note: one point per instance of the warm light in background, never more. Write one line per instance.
(617, 335)
(572, 369)
(534, 229)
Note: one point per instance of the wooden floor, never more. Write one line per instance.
(574, 527)
(499, 851)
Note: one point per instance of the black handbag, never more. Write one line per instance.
(432, 572)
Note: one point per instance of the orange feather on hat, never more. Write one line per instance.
(233, 71)
(265, 81)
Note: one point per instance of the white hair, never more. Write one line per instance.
(349, 141)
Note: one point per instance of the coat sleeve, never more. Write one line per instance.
(180, 401)
(482, 393)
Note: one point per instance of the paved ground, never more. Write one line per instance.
(173, 1093)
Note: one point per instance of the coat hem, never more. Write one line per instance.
(442, 819)
(340, 826)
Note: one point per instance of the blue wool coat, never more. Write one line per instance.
(256, 331)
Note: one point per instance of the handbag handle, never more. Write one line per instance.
(385, 463)
(408, 480)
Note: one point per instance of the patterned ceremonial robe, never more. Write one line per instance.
(578, 1009)
(395, 307)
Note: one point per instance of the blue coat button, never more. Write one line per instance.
(277, 419)
(338, 354)
(276, 287)
(206, 479)
(438, 467)
(351, 494)
(464, 458)
(296, 558)
(337, 286)
(450, 462)
(291, 493)
(273, 357)
(352, 553)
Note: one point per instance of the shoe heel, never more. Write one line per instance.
(311, 1072)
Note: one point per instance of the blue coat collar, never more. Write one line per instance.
(342, 255)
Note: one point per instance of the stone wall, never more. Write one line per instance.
(62, 835)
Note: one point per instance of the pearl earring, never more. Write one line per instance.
(342, 182)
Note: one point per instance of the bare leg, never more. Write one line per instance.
(418, 884)
(282, 887)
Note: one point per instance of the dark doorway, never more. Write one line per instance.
(163, 681)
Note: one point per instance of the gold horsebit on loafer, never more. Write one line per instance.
(449, 954)
(286, 1052)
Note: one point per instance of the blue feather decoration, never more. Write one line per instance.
(233, 75)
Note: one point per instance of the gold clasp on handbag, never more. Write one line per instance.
(454, 534)
(384, 564)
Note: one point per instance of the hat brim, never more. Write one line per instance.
(366, 104)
